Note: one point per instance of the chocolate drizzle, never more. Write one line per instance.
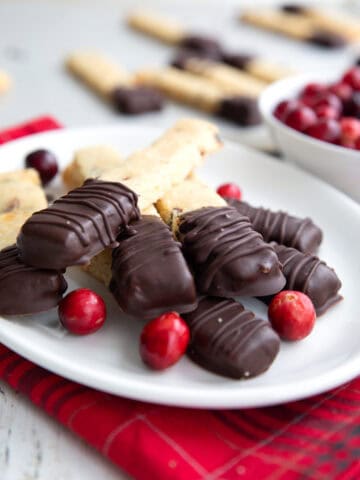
(77, 226)
(281, 227)
(229, 340)
(229, 258)
(40, 289)
(149, 273)
(310, 275)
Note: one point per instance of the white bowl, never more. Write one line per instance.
(336, 165)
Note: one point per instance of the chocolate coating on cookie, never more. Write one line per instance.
(293, 8)
(183, 55)
(310, 275)
(202, 43)
(280, 227)
(149, 273)
(326, 39)
(229, 340)
(25, 290)
(228, 257)
(243, 111)
(136, 100)
(78, 225)
(237, 60)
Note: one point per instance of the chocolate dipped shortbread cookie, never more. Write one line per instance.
(78, 225)
(40, 289)
(149, 273)
(297, 26)
(209, 95)
(228, 256)
(310, 275)
(229, 340)
(114, 84)
(280, 227)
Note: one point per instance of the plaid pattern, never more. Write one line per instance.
(316, 438)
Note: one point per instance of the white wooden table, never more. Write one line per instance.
(34, 38)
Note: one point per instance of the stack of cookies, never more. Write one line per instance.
(162, 240)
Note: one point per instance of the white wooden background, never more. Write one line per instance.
(33, 446)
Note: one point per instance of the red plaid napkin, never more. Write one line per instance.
(317, 438)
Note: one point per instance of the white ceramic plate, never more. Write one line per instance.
(109, 360)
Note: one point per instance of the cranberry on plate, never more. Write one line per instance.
(164, 341)
(44, 162)
(292, 315)
(229, 190)
(82, 311)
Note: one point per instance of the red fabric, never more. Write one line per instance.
(317, 438)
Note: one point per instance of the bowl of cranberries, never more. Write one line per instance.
(315, 122)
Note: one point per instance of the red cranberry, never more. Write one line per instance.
(327, 99)
(325, 111)
(292, 315)
(327, 130)
(229, 190)
(164, 340)
(44, 162)
(350, 130)
(284, 107)
(82, 311)
(352, 78)
(301, 118)
(357, 144)
(352, 106)
(313, 89)
(341, 90)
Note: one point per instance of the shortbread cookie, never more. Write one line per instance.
(202, 93)
(28, 175)
(230, 80)
(90, 162)
(335, 22)
(157, 26)
(228, 257)
(21, 195)
(100, 265)
(5, 82)
(26, 290)
(113, 83)
(258, 67)
(229, 340)
(78, 225)
(21, 190)
(149, 273)
(153, 171)
(10, 225)
(100, 73)
(188, 195)
(171, 32)
(183, 87)
(299, 27)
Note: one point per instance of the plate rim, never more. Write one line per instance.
(160, 394)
